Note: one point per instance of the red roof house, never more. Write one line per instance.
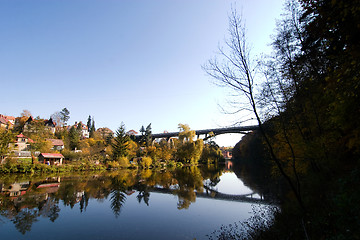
(51, 158)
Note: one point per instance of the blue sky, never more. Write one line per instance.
(130, 61)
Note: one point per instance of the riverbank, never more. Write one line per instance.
(329, 197)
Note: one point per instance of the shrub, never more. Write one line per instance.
(123, 162)
(146, 162)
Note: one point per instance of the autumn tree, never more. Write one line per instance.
(188, 150)
(6, 136)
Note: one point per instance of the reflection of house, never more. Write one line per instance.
(50, 185)
(227, 153)
(57, 144)
(51, 158)
(15, 189)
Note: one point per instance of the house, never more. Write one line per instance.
(50, 125)
(22, 143)
(131, 132)
(27, 125)
(84, 129)
(57, 144)
(105, 132)
(33, 125)
(51, 158)
(7, 122)
(3, 123)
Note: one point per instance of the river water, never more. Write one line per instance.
(187, 203)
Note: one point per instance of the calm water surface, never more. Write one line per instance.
(184, 203)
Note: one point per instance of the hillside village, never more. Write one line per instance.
(53, 142)
(50, 141)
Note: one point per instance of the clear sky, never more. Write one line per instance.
(131, 61)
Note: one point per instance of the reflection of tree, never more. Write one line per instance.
(67, 192)
(50, 209)
(118, 196)
(118, 199)
(143, 194)
(24, 210)
(186, 197)
(54, 213)
(189, 179)
(84, 202)
(24, 220)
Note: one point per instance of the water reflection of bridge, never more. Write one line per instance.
(212, 194)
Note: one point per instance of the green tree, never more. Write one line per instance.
(74, 138)
(142, 130)
(148, 135)
(65, 115)
(120, 143)
(92, 128)
(89, 121)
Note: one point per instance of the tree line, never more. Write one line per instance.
(101, 146)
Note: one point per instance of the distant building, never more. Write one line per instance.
(57, 144)
(131, 132)
(50, 125)
(3, 123)
(7, 122)
(30, 125)
(105, 132)
(84, 129)
(22, 143)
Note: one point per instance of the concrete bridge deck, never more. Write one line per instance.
(215, 131)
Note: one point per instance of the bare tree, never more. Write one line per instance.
(236, 70)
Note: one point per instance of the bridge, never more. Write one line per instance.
(214, 131)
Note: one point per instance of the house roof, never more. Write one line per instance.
(21, 136)
(10, 118)
(50, 123)
(30, 119)
(56, 142)
(3, 120)
(52, 155)
(132, 132)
